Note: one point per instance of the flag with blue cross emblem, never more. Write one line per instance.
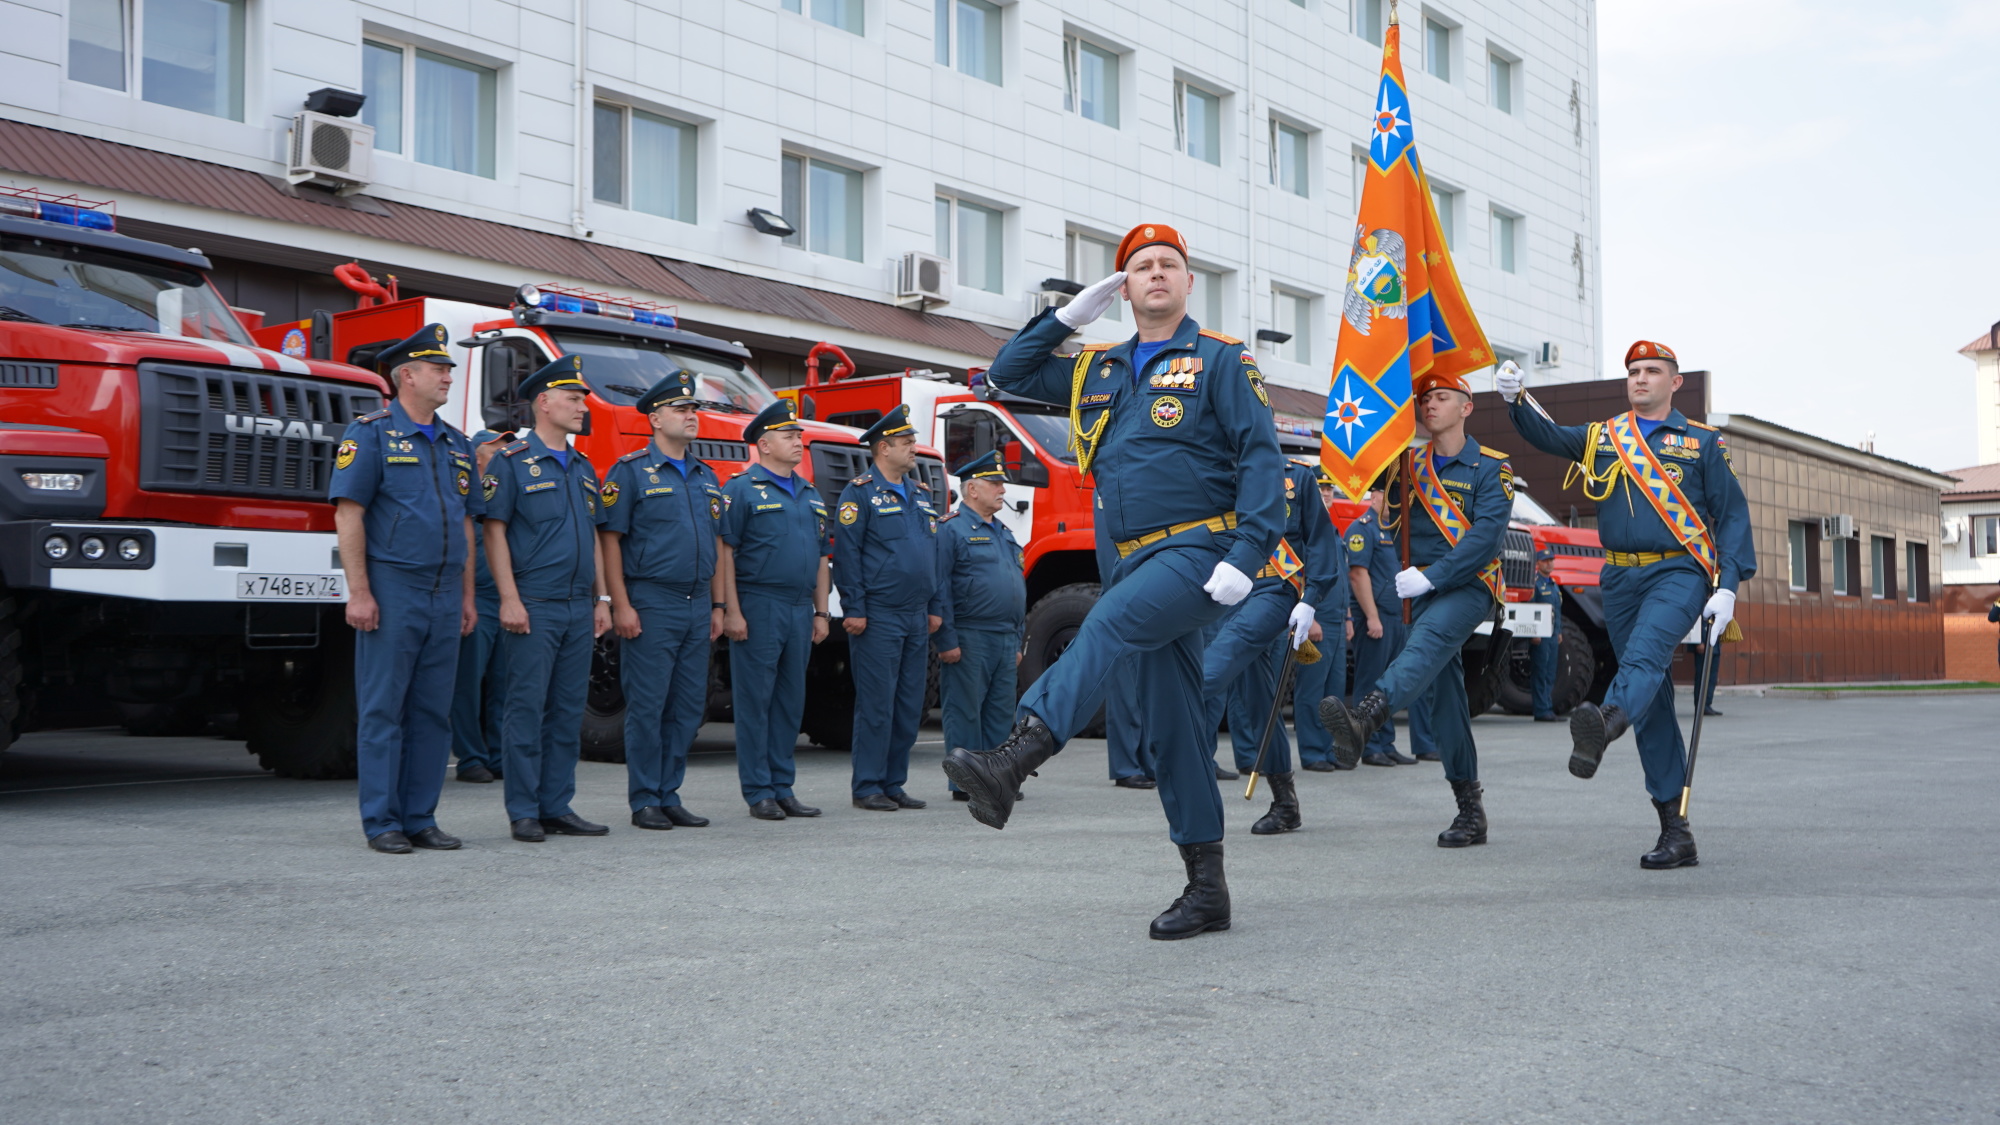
(1403, 311)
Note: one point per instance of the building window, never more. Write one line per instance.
(1090, 81)
(643, 161)
(1360, 163)
(1506, 241)
(1446, 202)
(972, 236)
(97, 42)
(1804, 536)
(1293, 313)
(1437, 49)
(450, 121)
(1092, 260)
(823, 203)
(1368, 20)
(1198, 122)
(1917, 571)
(1882, 567)
(843, 14)
(1847, 567)
(1206, 302)
(975, 26)
(1985, 536)
(1500, 81)
(1290, 167)
(190, 51)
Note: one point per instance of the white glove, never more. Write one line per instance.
(1508, 380)
(1226, 584)
(1091, 303)
(1722, 608)
(1301, 623)
(1411, 583)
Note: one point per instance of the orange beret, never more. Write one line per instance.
(1647, 349)
(1432, 381)
(1149, 234)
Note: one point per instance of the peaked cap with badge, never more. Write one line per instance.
(673, 389)
(986, 466)
(893, 424)
(780, 415)
(427, 345)
(565, 374)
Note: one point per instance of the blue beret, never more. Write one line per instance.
(892, 424)
(564, 374)
(780, 415)
(988, 466)
(427, 346)
(676, 386)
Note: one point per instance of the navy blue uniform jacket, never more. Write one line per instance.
(980, 582)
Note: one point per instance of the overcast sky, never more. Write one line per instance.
(1805, 199)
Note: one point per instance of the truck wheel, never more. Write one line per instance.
(1575, 666)
(1051, 626)
(604, 707)
(298, 716)
(10, 672)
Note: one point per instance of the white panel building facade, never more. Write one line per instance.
(1019, 140)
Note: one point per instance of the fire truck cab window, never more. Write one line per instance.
(505, 364)
(620, 371)
(73, 286)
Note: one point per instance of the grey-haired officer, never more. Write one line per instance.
(885, 564)
(662, 510)
(475, 716)
(542, 514)
(403, 507)
(983, 600)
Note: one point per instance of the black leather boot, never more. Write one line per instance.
(1591, 729)
(1284, 814)
(1676, 846)
(1204, 902)
(993, 777)
(1469, 826)
(1351, 726)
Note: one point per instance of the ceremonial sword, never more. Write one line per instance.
(1306, 653)
(1703, 695)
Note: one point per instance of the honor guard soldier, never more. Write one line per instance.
(1677, 542)
(982, 610)
(1237, 671)
(475, 716)
(1457, 508)
(885, 565)
(1372, 562)
(1190, 497)
(403, 506)
(1333, 628)
(662, 512)
(774, 588)
(1543, 652)
(542, 514)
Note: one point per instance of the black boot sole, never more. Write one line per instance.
(1586, 733)
(1691, 861)
(1276, 827)
(1216, 926)
(985, 808)
(1347, 747)
(1473, 842)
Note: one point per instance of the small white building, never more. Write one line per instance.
(1985, 355)
(1971, 553)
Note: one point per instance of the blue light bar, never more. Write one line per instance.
(548, 300)
(56, 213)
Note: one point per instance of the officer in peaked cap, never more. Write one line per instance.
(475, 712)
(983, 608)
(1176, 426)
(1677, 543)
(775, 587)
(403, 507)
(885, 566)
(542, 515)
(1543, 651)
(662, 512)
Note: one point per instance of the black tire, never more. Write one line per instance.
(183, 718)
(298, 714)
(1051, 626)
(1575, 667)
(604, 706)
(10, 672)
(828, 718)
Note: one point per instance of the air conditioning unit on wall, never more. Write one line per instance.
(1838, 527)
(925, 278)
(338, 151)
(1046, 300)
(1548, 354)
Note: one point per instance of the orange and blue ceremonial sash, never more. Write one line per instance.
(1404, 313)
(1643, 465)
(1451, 520)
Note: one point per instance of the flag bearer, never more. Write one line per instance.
(1677, 543)
(983, 607)
(475, 713)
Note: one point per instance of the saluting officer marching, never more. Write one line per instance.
(1677, 543)
(662, 513)
(1333, 628)
(403, 502)
(475, 712)
(982, 610)
(1458, 511)
(542, 514)
(774, 589)
(1175, 426)
(885, 565)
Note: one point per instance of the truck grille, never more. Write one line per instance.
(1517, 559)
(728, 451)
(835, 465)
(222, 431)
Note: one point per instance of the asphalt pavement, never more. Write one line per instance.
(188, 939)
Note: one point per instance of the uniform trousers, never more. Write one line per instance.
(664, 674)
(1124, 756)
(1647, 610)
(1249, 709)
(889, 661)
(1314, 682)
(767, 682)
(541, 725)
(475, 719)
(403, 672)
(1372, 656)
(1237, 678)
(1542, 662)
(1151, 613)
(977, 694)
(1430, 660)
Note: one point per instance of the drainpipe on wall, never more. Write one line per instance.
(581, 88)
(1250, 173)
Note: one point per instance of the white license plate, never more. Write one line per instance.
(290, 587)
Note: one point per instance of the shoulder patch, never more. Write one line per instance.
(516, 447)
(376, 416)
(1704, 426)
(948, 516)
(1230, 340)
(1492, 452)
(864, 480)
(635, 454)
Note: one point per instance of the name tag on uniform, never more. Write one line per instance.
(979, 539)
(889, 511)
(663, 490)
(404, 460)
(1093, 400)
(537, 487)
(1456, 484)
(769, 508)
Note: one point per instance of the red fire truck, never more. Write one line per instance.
(165, 539)
(627, 347)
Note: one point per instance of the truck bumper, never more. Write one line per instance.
(1524, 619)
(173, 562)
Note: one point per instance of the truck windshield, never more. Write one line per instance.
(43, 281)
(1048, 426)
(622, 370)
(1528, 512)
